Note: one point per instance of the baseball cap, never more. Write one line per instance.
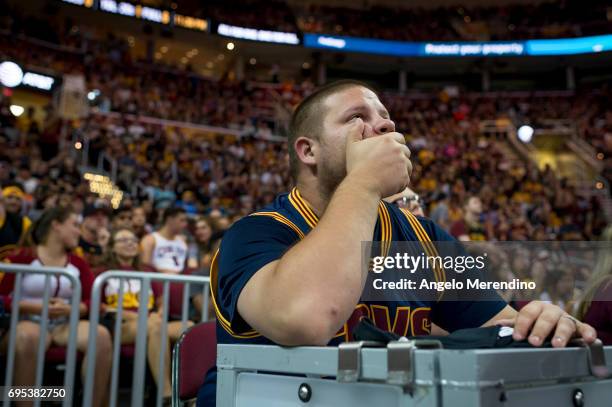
(13, 190)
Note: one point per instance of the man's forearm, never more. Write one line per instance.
(323, 276)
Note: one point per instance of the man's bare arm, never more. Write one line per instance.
(306, 296)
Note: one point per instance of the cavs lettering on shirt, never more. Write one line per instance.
(266, 235)
(408, 321)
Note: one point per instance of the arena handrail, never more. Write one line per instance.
(75, 302)
(146, 278)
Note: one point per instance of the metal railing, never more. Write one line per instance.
(75, 302)
(138, 378)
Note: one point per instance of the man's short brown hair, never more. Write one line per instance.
(307, 118)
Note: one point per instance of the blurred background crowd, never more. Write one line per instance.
(220, 177)
(185, 154)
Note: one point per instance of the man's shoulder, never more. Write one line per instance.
(276, 213)
(262, 231)
(261, 222)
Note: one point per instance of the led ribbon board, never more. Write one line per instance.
(561, 46)
(564, 46)
(141, 12)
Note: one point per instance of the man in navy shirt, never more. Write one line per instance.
(292, 273)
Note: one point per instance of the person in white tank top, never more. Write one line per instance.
(166, 249)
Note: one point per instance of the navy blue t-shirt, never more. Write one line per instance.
(266, 235)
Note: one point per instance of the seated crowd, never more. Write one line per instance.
(182, 190)
(88, 243)
(127, 85)
(173, 225)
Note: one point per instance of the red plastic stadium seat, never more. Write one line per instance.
(57, 354)
(175, 300)
(195, 354)
(128, 351)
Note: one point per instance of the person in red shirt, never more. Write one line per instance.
(470, 228)
(123, 254)
(53, 236)
(595, 308)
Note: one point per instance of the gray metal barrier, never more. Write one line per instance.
(138, 381)
(75, 301)
(412, 373)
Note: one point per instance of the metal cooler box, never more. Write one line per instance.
(412, 373)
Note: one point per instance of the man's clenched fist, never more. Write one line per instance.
(382, 162)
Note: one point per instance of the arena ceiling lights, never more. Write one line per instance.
(12, 75)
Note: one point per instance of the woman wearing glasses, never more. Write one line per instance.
(123, 254)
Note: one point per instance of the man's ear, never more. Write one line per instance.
(307, 150)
